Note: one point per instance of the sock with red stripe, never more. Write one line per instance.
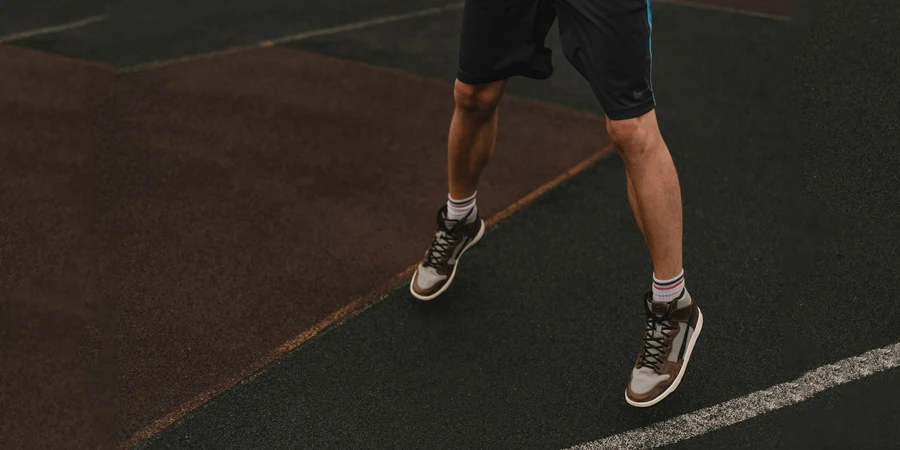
(459, 209)
(668, 290)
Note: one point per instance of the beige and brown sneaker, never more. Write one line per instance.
(669, 338)
(453, 238)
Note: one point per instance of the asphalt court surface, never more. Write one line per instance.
(793, 271)
(201, 196)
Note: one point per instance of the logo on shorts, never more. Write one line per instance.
(638, 94)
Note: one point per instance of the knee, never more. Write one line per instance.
(630, 136)
(482, 99)
(622, 132)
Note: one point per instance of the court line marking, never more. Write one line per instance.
(739, 409)
(385, 20)
(52, 29)
(301, 36)
(368, 23)
(358, 305)
(725, 9)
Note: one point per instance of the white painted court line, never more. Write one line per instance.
(305, 35)
(368, 23)
(53, 29)
(725, 9)
(740, 409)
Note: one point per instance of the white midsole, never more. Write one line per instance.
(452, 274)
(687, 357)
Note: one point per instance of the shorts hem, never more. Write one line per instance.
(472, 79)
(632, 111)
(526, 72)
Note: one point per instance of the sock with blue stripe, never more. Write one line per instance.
(668, 290)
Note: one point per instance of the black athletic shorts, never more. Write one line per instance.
(607, 41)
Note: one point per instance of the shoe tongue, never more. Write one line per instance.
(659, 308)
(450, 223)
(445, 234)
(465, 220)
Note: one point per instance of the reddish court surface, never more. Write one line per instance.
(771, 7)
(57, 311)
(255, 194)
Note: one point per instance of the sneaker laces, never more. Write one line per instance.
(655, 338)
(444, 241)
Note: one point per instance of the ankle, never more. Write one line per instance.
(667, 290)
(458, 209)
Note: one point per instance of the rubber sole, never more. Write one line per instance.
(452, 274)
(687, 357)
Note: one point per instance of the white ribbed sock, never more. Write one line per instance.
(668, 290)
(459, 209)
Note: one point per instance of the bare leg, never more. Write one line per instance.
(654, 191)
(473, 133)
(635, 207)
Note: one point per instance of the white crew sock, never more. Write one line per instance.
(668, 290)
(459, 209)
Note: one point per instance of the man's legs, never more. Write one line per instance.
(673, 319)
(608, 42)
(473, 133)
(498, 40)
(653, 189)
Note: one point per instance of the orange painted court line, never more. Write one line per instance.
(356, 306)
(578, 168)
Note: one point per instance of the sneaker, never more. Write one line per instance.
(669, 338)
(453, 238)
